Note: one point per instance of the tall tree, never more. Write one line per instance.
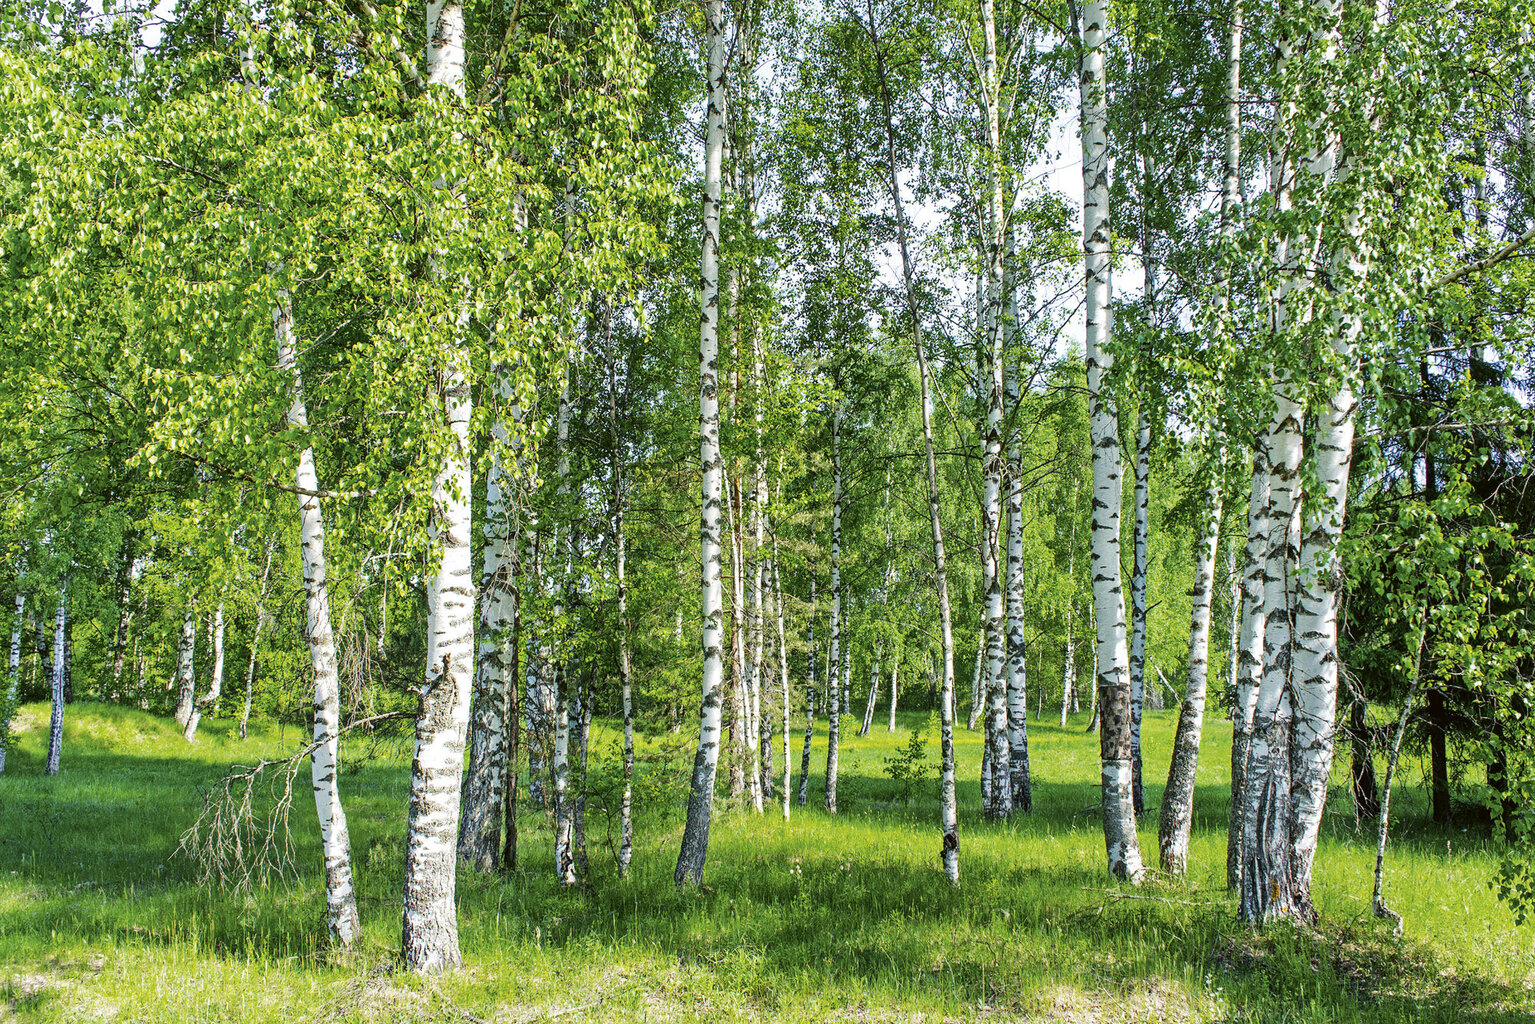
(1112, 670)
(695, 837)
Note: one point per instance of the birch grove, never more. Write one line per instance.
(427, 276)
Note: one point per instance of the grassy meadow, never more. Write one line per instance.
(845, 918)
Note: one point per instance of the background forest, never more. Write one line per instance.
(557, 429)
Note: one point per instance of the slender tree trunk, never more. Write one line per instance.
(261, 613)
(804, 751)
(977, 696)
(340, 897)
(1178, 798)
(1438, 756)
(1249, 673)
(186, 679)
(994, 681)
(895, 672)
(514, 732)
(625, 671)
(1377, 896)
(1069, 655)
(13, 685)
(1362, 775)
(216, 681)
(1138, 599)
(948, 801)
(1314, 671)
(1234, 623)
(564, 809)
(1017, 649)
(872, 702)
(480, 820)
(566, 672)
(836, 687)
(783, 672)
(585, 736)
(762, 724)
(1113, 670)
(695, 837)
(60, 673)
(740, 725)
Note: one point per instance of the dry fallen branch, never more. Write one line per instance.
(241, 837)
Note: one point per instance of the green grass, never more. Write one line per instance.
(822, 918)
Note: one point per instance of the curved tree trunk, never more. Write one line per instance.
(340, 898)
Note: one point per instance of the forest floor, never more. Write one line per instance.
(820, 919)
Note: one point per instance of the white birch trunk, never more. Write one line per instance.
(430, 923)
(1315, 658)
(13, 681)
(695, 837)
(186, 680)
(804, 751)
(340, 897)
(568, 710)
(837, 686)
(215, 682)
(625, 672)
(1069, 655)
(1249, 665)
(1017, 651)
(60, 674)
(1178, 798)
(261, 614)
(1138, 597)
(1270, 884)
(783, 673)
(994, 683)
(895, 672)
(871, 703)
(480, 820)
(762, 724)
(1112, 673)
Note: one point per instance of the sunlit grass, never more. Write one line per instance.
(807, 920)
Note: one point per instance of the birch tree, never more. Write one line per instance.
(59, 675)
(695, 837)
(215, 678)
(1112, 672)
(430, 927)
(13, 678)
